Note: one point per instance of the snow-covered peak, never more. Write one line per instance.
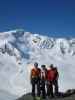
(19, 37)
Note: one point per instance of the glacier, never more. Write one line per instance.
(18, 52)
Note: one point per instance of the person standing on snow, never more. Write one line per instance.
(49, 83)
(52, 79)
(43, 80)
(35, 79)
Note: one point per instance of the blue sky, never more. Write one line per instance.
(48, 17)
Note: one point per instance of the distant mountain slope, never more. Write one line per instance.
(20, 49)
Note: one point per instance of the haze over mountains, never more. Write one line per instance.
(20, 49)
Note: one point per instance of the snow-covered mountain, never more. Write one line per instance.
(18, 52)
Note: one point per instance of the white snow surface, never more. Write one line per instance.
(18, 52)
(4, 95)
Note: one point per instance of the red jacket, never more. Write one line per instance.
(52, 74)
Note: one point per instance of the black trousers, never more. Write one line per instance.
(43, 90)
(35, 87)
(55, 83)
(50, 88)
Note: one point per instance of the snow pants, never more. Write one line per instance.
(50, 88)
(43, 90)
(35, 87)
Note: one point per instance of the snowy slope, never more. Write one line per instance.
(19, 50)
(4, 95)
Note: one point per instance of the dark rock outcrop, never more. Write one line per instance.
(68, 95)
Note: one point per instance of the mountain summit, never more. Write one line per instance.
(20, 49)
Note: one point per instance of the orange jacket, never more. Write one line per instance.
(35, 73)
